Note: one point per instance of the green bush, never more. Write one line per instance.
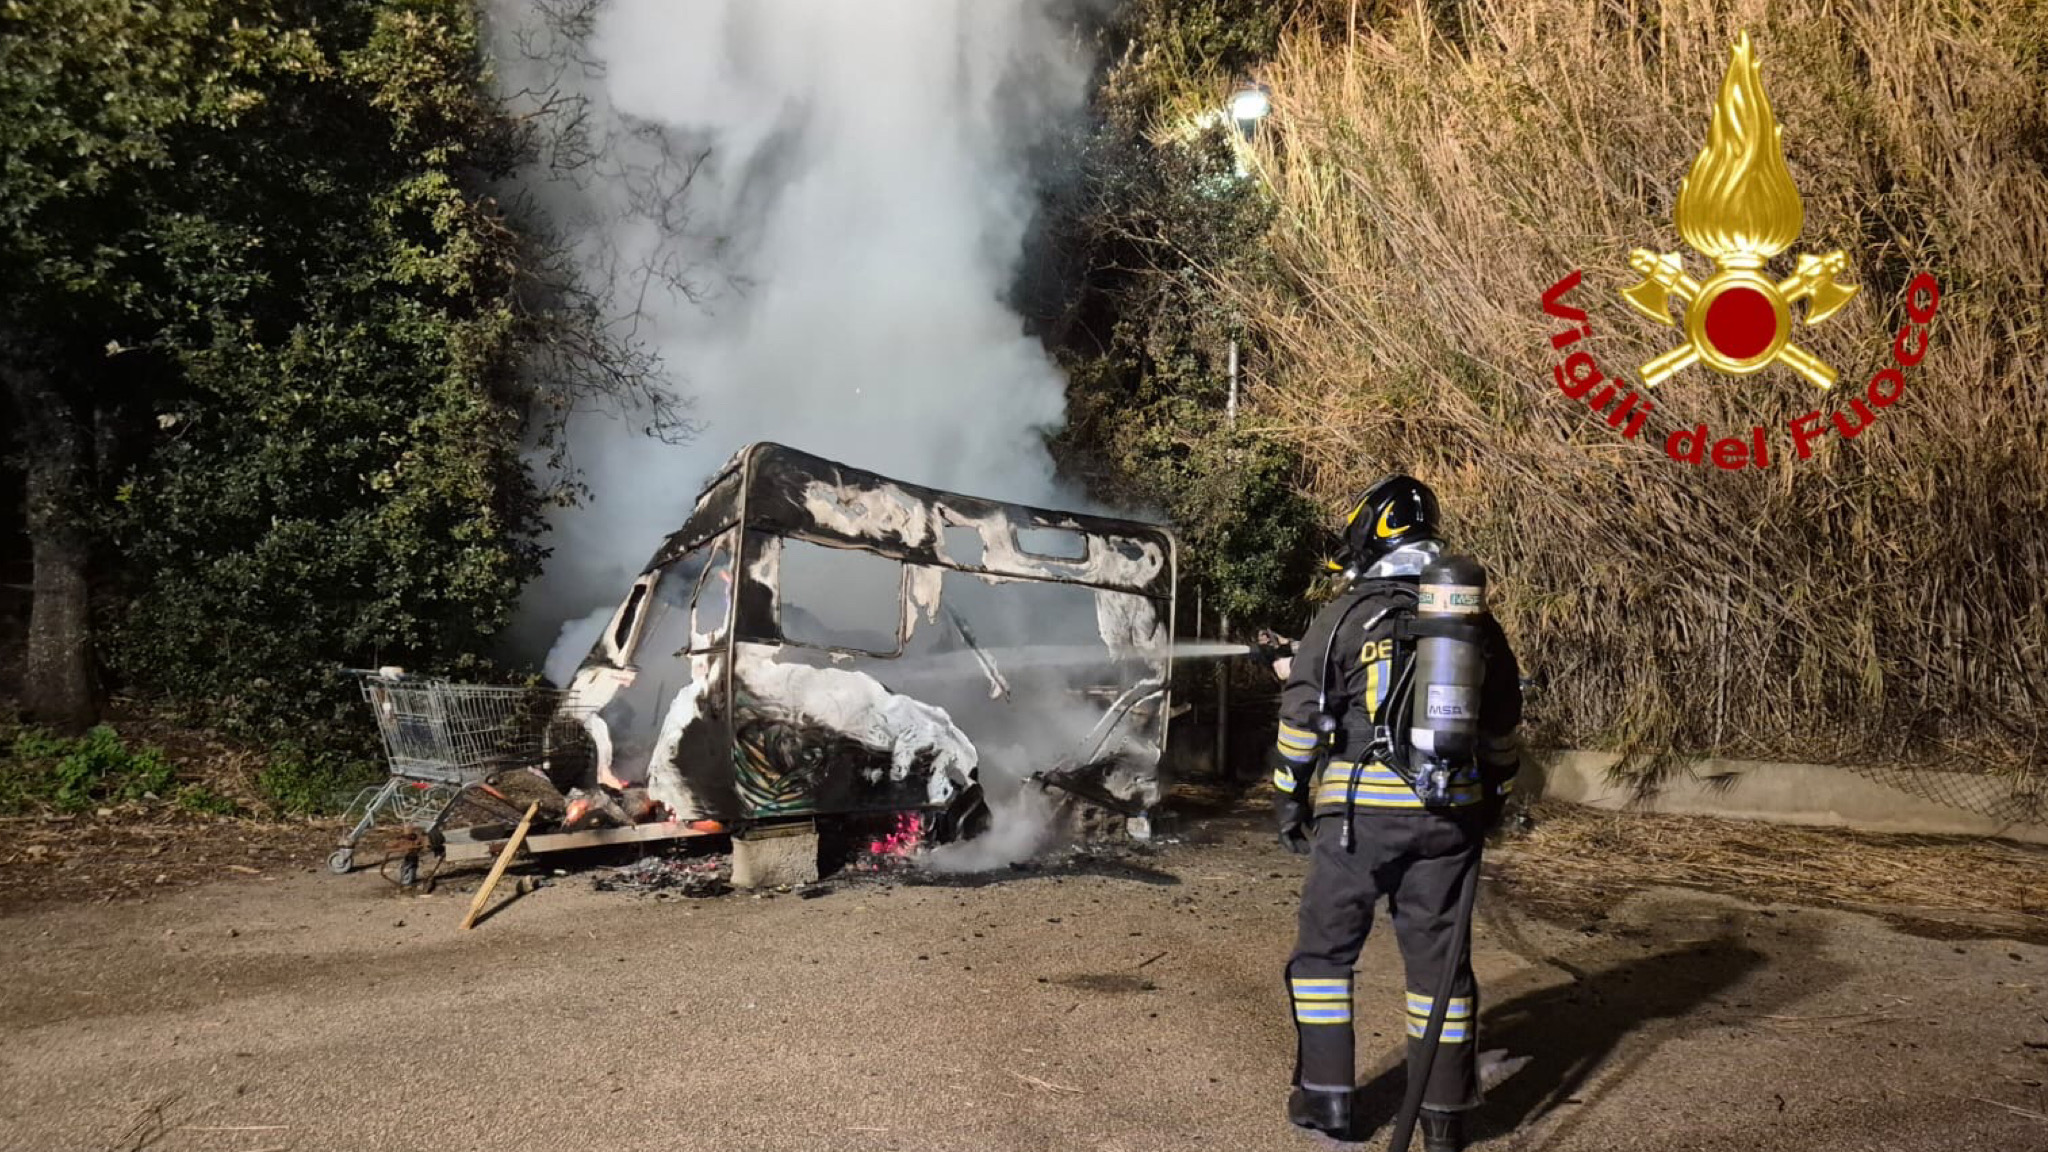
(205, 801)
(301, 782)
(39, 770)
(254, 263)
(18, 779)
(74, 775)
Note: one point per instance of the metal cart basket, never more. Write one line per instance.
(445, 742)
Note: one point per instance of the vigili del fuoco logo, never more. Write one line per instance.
(1738, 208)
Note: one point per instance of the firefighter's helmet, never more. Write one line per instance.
(1396, 511)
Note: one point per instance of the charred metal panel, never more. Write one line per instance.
(827, 739)
(795, 493)
(717, 510)
(650, 696)
(755, 619)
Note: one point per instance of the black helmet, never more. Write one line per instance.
(1395, 511)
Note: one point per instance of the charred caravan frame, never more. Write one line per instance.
(820, 641)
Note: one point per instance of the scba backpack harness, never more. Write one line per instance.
(1440, 644)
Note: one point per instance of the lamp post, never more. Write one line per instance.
(1249, 104)
(1230, 410)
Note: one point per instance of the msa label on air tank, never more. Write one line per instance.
(1453, 598)
(1452, 702)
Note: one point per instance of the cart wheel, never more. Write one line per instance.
(408, 871)
(342, 860)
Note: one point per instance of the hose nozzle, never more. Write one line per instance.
(1271, 646)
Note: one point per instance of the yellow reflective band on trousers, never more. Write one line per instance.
(1381, 787)
(1283, 779)
(1457, 1018)
(1321, 999)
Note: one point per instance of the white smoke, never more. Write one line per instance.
(572, 643)
(830, 276)
(1020, 827)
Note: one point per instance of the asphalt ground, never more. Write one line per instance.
(1112, 1004)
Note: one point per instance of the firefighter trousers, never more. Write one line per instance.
(1417, 861)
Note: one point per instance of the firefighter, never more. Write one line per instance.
(1340, 801)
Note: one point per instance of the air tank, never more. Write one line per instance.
(1450, 667)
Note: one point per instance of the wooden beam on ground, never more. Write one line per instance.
(458, 847)
(476, 906)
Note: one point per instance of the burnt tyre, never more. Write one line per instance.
(965, 818)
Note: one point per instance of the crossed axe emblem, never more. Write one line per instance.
(1739, 321)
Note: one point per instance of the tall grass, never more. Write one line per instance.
(1882, 602)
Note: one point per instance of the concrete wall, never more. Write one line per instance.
(1810, 794)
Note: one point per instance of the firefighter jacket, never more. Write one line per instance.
(1350, 676)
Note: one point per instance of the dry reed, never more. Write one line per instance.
(1880, 603)
(1580, 858)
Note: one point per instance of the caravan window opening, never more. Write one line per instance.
(711, 598)
(840, 599)
(1052, 543)
(624, 634)
(961, 544)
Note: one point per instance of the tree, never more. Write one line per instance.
(1124, 292)
(263, 330)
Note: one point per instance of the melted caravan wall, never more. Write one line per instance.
(650, 696)
(910, 653)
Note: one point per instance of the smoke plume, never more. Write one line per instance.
(1022, 827)
(811, 212)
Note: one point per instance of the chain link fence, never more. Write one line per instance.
(2007, 799)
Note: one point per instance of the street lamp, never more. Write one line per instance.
(1249, 105)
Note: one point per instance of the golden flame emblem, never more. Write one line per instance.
(1738, 207)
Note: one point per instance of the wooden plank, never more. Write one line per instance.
(476, 906)
(457, 849)
(484, 836)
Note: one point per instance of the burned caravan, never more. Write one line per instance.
(819, 641)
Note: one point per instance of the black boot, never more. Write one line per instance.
(1443, 1131)
(1328, 1112)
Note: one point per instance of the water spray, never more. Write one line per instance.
(1211, 649)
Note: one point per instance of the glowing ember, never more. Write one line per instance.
(889, 850)
(904, 839)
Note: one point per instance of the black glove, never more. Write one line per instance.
(1294, 833)
(1271, 646)
(1498, 769)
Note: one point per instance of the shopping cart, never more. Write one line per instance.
(446, 743)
